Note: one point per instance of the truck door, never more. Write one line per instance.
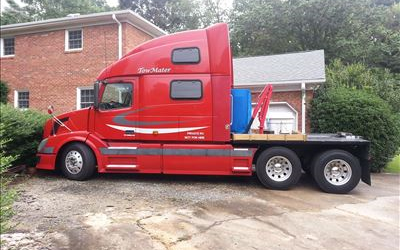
(116, 121)
(116, 116)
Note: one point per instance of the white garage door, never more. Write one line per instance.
(281, 118)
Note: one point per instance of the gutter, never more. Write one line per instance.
(119, 36)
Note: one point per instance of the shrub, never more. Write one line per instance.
(378, 81)
(7, 194)
(3, 91)
(24, 129)
(360, 113)
(387, 87)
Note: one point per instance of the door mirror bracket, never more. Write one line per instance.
(96, 89)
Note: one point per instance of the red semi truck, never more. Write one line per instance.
(166, 107)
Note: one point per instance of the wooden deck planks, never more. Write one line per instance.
(269, 137)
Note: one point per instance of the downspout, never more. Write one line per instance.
(303, 108)
(119, 36)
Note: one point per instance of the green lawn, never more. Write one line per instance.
(394, 165)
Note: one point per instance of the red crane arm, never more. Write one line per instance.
(261, 108)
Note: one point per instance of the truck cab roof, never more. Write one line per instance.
(204, 51)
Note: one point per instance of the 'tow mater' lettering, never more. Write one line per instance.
(143, 70)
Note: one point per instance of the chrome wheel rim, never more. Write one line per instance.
(278, 168)
(337, 172)
(74, 162)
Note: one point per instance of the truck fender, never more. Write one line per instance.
(57, 142)
(83, 137)
(94, 142)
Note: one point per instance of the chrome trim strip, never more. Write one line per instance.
(121, 166)
(140, 151)
(240, 168)
(177, 152)
(122, 147)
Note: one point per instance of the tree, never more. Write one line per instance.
(213, 11)
(33, 10)
(169, 15)
(258, 28)
(182, 15)
(377, 81)
(14, 14)
(178, 15)
(352, 30)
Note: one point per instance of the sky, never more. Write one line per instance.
(112, 3)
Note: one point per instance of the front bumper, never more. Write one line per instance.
(46, 161)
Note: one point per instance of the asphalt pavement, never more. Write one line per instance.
(116, 211)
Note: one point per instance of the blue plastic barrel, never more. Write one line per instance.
(241, 112)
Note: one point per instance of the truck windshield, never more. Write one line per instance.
(116, 95)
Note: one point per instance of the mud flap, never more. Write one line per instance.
(365, 174)
(365, 165)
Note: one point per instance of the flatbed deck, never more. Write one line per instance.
(298, 138)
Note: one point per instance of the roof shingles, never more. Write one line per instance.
(302, 67)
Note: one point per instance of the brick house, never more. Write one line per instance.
(294, 76)
(56, 61)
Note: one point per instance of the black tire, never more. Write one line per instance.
(349, 181)
(86, 159)
(288, 180)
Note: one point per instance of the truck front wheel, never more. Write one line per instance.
(77, 162)
(336, 171)
(278, 168)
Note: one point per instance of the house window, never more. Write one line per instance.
(73, 40)
(7, 47)
(85, 97)
(21, 99)
(186, 89)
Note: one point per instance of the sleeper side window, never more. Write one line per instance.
(186, 56)
(116, 96)
(186, 89)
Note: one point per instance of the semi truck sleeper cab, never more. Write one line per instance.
(169, 107)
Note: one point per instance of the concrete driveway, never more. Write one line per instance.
(194, 212)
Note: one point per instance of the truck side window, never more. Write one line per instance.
(186, 89)
(116, 96)
(186, 56)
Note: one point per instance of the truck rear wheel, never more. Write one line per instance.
(336, 171)
(278, 168)
(77, 162)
